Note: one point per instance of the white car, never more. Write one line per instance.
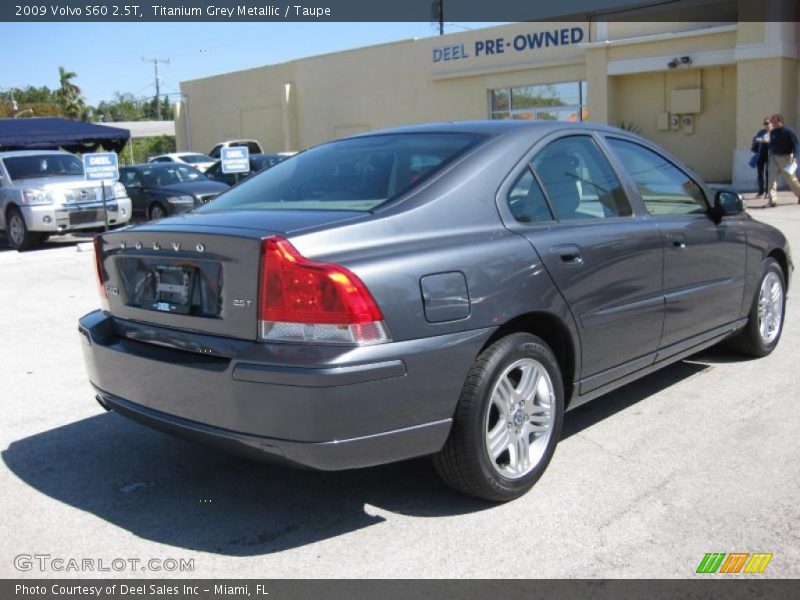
(253, 147)
(201, 162)
(44, 192)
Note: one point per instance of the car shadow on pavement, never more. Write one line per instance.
(188, 496)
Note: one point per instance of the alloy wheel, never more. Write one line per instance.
(770, 308)
(520, 418)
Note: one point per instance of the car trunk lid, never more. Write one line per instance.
(197, 272)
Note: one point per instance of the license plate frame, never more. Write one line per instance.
(173, 288)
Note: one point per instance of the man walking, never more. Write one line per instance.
(760, 148)
(783, 150)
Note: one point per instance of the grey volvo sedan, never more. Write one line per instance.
(445, 290)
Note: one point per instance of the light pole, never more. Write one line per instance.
(11, 88)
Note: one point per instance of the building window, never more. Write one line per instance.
(549, 102)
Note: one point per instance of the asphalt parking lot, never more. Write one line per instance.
(700, 457)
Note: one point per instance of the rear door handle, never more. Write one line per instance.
(569, 254)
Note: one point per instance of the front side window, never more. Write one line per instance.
(129, 178)
(664, 188)
(579, 181)
(354, 174)
(45, 165)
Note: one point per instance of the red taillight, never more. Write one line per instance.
(98, 261)
(304, 300)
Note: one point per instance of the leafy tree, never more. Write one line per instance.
(124, 107)
(144, 148)
(32, 101)
(69, 94)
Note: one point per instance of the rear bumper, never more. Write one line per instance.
(327, 408)
(386, 447)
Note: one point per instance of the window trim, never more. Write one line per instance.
(669, 160)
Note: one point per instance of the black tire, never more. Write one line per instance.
(749, 340)
(156, 212)
(464, 462)
(17, 233)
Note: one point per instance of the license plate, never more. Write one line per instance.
(173, 288)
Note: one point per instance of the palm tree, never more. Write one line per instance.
(69, 94)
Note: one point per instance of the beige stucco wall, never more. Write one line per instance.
(305, 102)
(680, 47)
(708, 149)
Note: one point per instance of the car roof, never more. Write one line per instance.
(11, 153)
(149, 165)
(491, 128)
(179, 154)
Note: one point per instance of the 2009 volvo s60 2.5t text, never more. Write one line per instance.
(445, 290)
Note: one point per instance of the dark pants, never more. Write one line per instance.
(762, 168)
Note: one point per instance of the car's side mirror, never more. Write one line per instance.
(728, 204)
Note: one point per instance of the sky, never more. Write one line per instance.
(107, 57)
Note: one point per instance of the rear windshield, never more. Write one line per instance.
(356, 174)
(45, 165)
(252, 147)
(161, 174)
(193, 159)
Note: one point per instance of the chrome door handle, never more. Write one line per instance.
(569, 254)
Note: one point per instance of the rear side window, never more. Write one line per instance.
(526, 200)
(579, 181)
(665, 189)
(355, 174)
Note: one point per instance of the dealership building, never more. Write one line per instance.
(700, 89)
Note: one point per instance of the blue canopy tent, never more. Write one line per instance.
(49, 133)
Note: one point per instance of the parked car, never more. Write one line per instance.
(43, 192)
(201, 162)
(253, 147)
(445, 290)
(160, 189)
(258, 162)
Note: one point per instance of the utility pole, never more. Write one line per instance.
(155, 62)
